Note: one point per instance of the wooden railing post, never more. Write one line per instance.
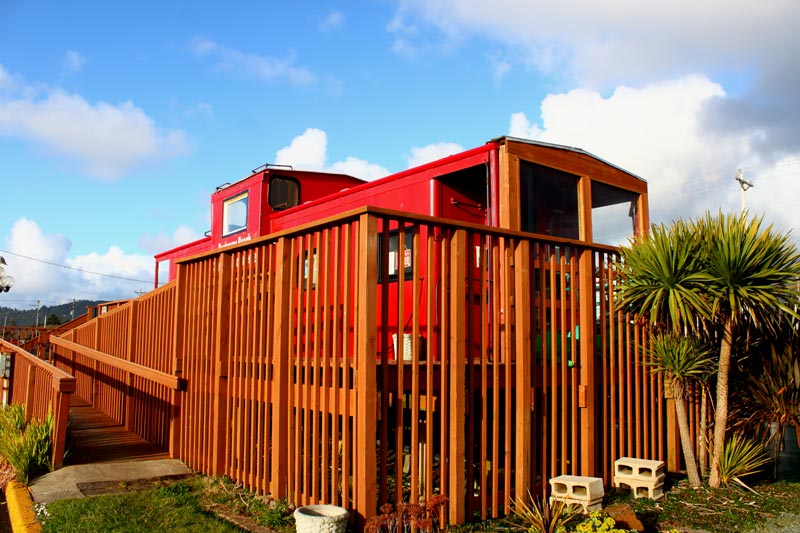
(458, 388)
(63, 389)
(133, 318)
(279, 358)
(95, 389)
(176, 396)
(587, 388)
(221, 355)
(29, 392)
(366, 371)
(524, 363)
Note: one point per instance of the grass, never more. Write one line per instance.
(196, 504)
(193, 505)
(173, 507)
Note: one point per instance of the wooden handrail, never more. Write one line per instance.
(62, 381)
(162, 378)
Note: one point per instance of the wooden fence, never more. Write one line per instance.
(376, 357)
(122, 361)
(43, 389)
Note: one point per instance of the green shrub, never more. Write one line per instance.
(741, 458)
(28, 448)
(542, 517)
(12, 419)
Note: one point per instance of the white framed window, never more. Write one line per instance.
(234, 214)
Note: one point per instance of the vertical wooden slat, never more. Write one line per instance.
(587, 361)
(279, 359)
(415, 360)
(523, 359)
(458, 492)
(365, 482)
(220, 370)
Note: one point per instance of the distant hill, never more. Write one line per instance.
(63, 313)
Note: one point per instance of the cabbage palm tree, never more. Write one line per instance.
(750, 274)
(661, 278)
(682, 360)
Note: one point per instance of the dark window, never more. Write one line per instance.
(548, 201)
(394, 261)
(283, 193)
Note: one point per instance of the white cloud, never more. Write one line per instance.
(34, 261)
(333, 21)
(432, 152)
(352, 166)
(656, 131)
(161, 242)
(750, 45)
(261, 67)
(74, 61)
(615, 40)
(116, 263)
(105, 140)
(309, 151)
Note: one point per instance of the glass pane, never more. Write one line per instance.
(234, 216)
(613, 214)
(548, 201)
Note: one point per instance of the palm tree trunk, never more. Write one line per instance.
(721, 414)
(702, 437)
(686, 438)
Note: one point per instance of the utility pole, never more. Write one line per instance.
(745, 185)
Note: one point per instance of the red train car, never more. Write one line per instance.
(508, 183)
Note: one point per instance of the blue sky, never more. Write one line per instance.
(117, 121)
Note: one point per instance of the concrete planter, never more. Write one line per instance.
(321, 519)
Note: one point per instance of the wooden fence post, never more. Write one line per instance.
(133, 317)
(458, 389)
(176, 396)
(64, 388)
(221, 349)
(29, 392)
(524, 363)
(279, 358)
(587, 388)
(366, 371)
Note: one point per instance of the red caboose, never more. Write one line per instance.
(508, 183)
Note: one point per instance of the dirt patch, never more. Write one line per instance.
(96, 488)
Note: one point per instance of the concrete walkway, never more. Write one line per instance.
(79, 481)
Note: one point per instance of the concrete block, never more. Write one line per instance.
(643, 469)
(588, 506)
(642, 489)
(580, 488)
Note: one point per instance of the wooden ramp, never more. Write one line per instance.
(96, 438)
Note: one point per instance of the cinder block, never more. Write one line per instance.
(643, 469)
(642, 489)
(588, 506)
(579, 488)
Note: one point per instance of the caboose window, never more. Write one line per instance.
(548, 201)
(613, 214)
(396, 259)
(283, 193)
(234, 214)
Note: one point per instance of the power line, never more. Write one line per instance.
(76, 268)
